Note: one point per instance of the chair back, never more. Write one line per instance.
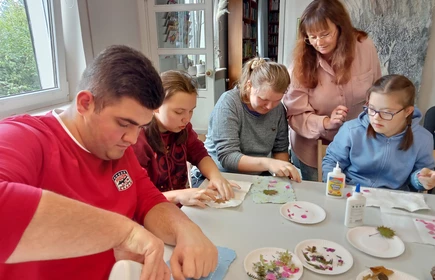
(321, 152)
(429, 122)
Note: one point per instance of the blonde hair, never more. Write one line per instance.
(261, 73)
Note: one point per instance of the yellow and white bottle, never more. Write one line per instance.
(335, 183)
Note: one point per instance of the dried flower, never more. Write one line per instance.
(270, 192)
(281, 267)
(329, 249)
(319, 261)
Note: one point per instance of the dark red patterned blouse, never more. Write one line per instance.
(169, 171)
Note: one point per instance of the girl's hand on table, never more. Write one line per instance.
(223, 186)
(196, 196)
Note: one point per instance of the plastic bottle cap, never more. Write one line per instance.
(337, 168)
(357, 188)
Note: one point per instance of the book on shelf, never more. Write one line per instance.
(273, 5)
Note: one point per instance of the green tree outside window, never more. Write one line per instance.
(18, 70)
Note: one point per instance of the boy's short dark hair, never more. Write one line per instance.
(120, 71)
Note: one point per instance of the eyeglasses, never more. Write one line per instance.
(310, 40)
(384, 115)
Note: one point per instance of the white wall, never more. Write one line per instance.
(90, 26)
(74, 49)
(427, 89)
(289, 13)
(113, 22)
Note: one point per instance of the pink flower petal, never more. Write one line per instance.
(296, 270)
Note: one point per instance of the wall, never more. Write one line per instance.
(113, 22)
(427, 89)
(91, 25)
(74, 49)
(292, 9)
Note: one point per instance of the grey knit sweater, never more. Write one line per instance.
(233, 131)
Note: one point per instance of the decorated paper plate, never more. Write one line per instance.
(396, 275)
(303, 212)
(369, 241)
(324, 257)
(287, 265)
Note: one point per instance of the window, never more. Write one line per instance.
(32, 59)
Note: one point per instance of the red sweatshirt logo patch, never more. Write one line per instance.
(122, 180)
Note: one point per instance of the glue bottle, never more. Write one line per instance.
(335, 182)
(355, 206)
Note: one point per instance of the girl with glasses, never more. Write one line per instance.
(168, 142)
(385, 147)
(333, 66)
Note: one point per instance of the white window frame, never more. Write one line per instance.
(23, 103)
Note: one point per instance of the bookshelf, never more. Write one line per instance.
(273, 29)
(242, 36)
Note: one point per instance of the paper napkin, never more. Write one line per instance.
(394, 199)
(282, 186)
(226, 257)
(239, 195)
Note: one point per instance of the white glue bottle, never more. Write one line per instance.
(355, 206)
(335, 182)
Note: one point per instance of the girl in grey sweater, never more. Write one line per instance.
(248, 131)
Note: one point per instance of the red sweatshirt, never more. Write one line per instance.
(169, 171)
(37, 153)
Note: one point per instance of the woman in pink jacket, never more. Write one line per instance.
(333, 66)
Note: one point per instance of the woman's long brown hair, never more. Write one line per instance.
(173, 82)
(314, 19)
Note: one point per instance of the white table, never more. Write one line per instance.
(251, 226)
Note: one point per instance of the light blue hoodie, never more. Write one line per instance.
(378, 162)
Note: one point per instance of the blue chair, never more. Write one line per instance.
(429, 124)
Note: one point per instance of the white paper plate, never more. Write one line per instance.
(397, 275)
(375, 245)
(321, 244)
(303, 212)
(268, 254)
